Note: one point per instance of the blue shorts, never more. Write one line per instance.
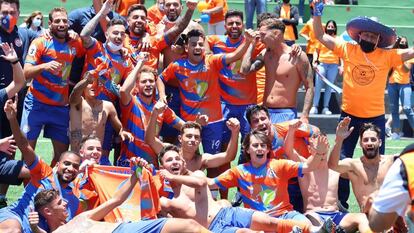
(53, 119)
(336, 216)
(236, 111)
(211, 136)
(230, 219)
(8, 213)
(278, 115)
(10, 170)
(174, 104)
(293, 215)
(147, 226)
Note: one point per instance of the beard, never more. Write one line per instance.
(58, 34)
(371, 153)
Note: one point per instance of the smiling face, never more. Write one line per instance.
(190, 139)
(261, 122)
(195, 49)
(68, 167)
(172, 9)
(91, 150)
(92, 90)
(137, 22)
(234, 27)
(58, 209)
(257, 150)
(146, 84)
(370, 144)
(116, 34)
(172, 162)
(59, 25)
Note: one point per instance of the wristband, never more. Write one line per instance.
(14, 62)
(317, 8)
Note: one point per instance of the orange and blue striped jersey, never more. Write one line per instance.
(135, 117)
(53, 88)
(198, 85)
(158, 43)
(42, 177)
(300, 142)
(118, 67)
(263, 188)
(235, 88)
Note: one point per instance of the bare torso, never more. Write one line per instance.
(367, 178)
(82, 223)
(196, 204)
(86, 119)
(282, 80)
(320, 190)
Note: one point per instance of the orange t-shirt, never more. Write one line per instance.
(154, 14)
(365, 78)
(399, 75)
(308, 31)
(285, 14)
(125, 4)
(219, 16)
(326, 55)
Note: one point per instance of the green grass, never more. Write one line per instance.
(44, 150)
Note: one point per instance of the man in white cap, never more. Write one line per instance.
(366, 66)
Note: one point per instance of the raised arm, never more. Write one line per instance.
(18, 77)
(98, 5)
(407, 54)
(182, 23)
(319, 148)
(28, 154)
(241, 50)
(75, 97)
(212, 161)
(130, 81)
(307, 77)
(150, 131)
(342, 132)
(325, 39)
(289, 143)
(248, 65)
(91, 25)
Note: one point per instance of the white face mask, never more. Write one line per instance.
(37, 22)
(114, 47)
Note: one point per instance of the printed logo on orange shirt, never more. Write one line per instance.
(363, 75)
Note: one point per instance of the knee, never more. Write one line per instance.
(193, 226)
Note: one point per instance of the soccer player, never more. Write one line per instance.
(48, 64)
(89, 115)
(192, 199)
(137, 102)
(263, 181)
(15, 217)
(197, 77)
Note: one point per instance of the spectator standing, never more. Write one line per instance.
(289, 15)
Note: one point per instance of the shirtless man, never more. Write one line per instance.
(50, 205)
(88, 115)
(366, 173)
(192, 199)
(284, 74)
(320, 192)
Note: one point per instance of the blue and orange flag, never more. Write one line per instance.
(142, 203)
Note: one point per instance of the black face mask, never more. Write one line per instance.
(366, 46)
(286, 1)
(330, 31)
(403, 46)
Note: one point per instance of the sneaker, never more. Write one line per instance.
(314, 110)
(388, 131)
(3, 202)
(326, 111)
(395, 136)
(237, 201)
(300, 20)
